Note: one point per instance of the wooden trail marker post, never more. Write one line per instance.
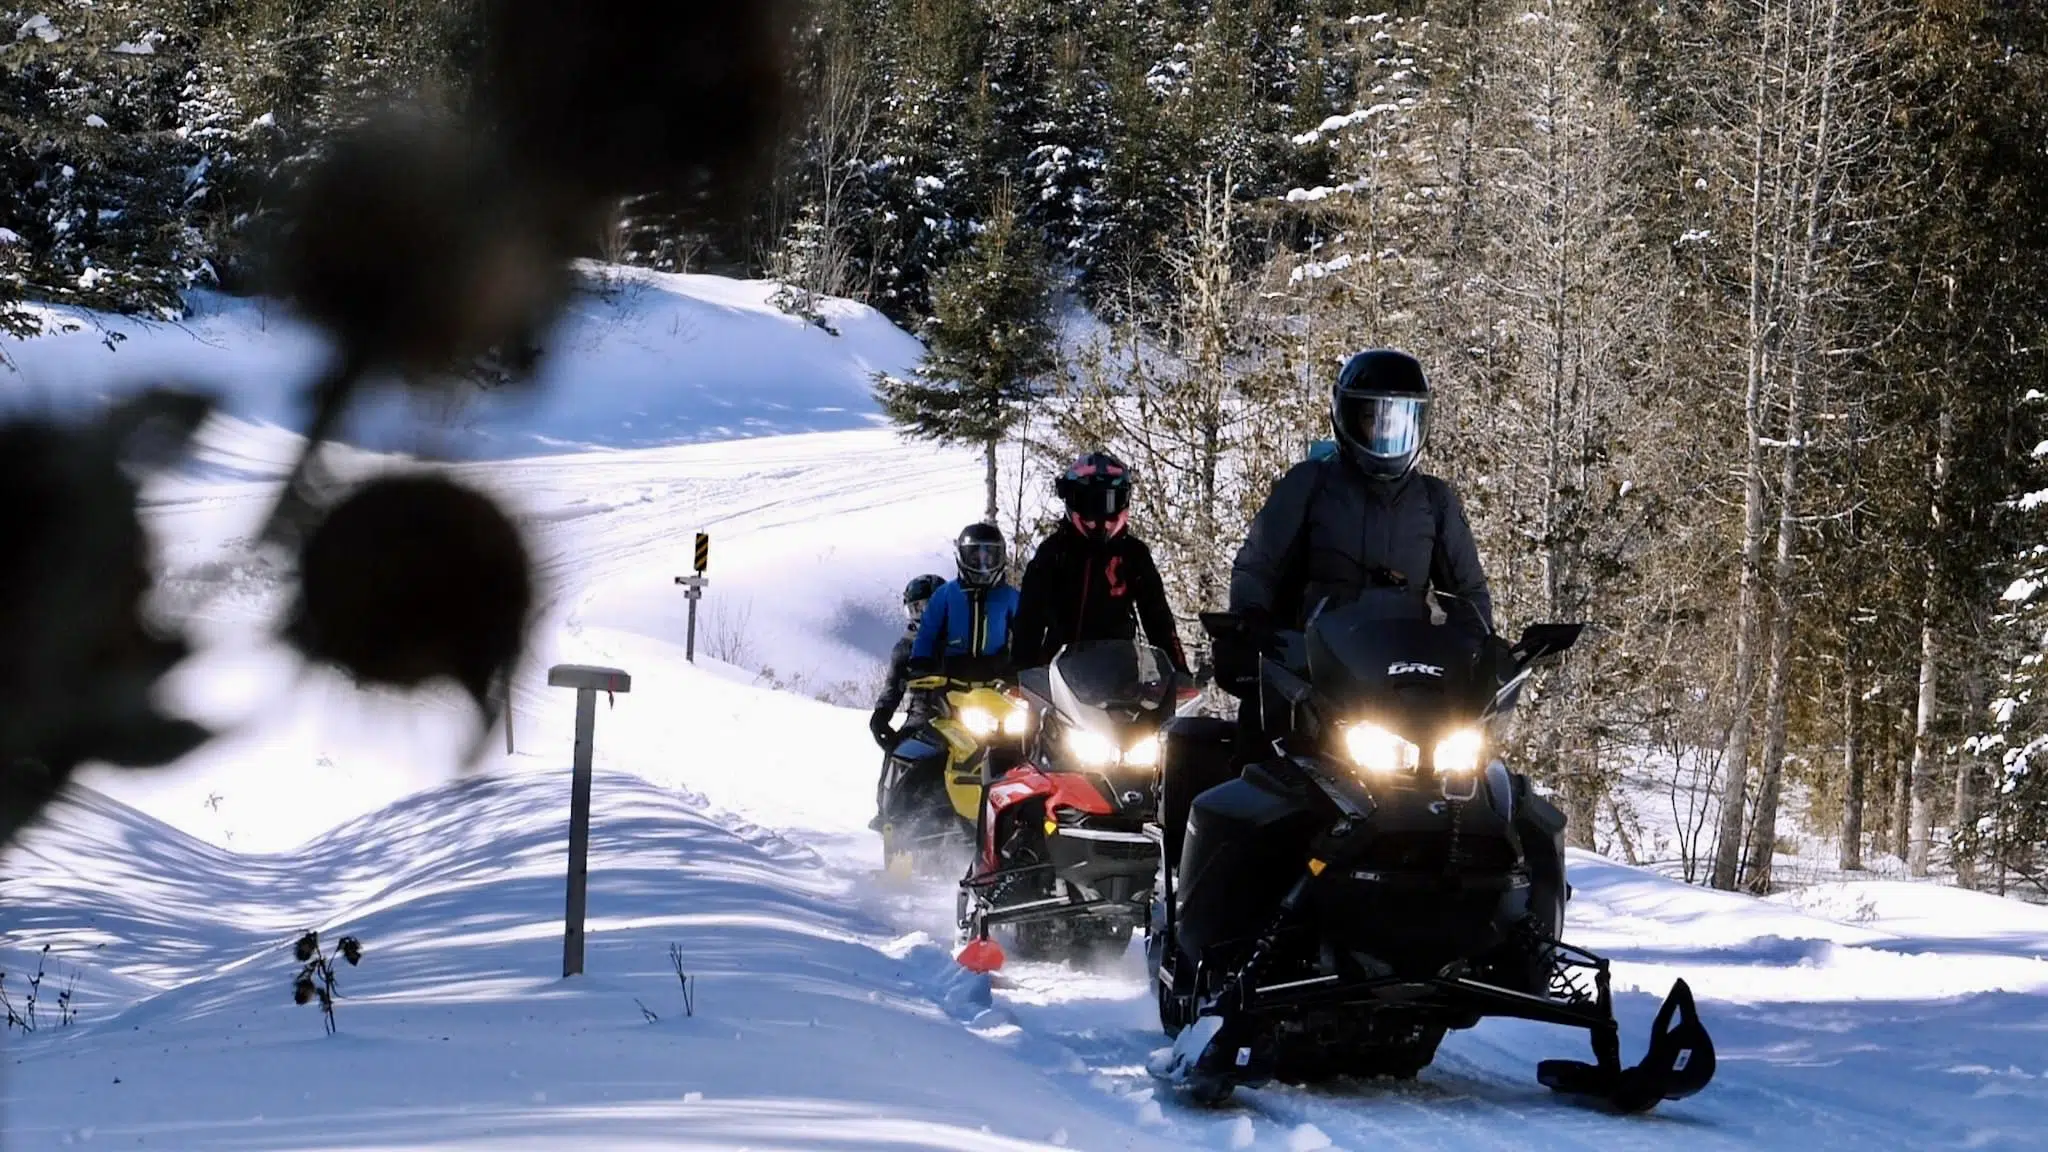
(693, 590)
(588, 681)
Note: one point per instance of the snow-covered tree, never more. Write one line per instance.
(990, 341)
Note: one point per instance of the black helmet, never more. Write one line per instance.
(1097, 491)
(1379, 410)
(918, 593)
(982, 555)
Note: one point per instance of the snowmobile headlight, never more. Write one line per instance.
(1375, 749)
(1092, 749)
(1017, 721)
(1458, 754)
(1143, 754)
(979, 721)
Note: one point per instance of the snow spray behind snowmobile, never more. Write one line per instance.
(1068, 851)
(1384, 878)
(933, 781)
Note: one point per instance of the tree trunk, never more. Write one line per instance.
(988, 455)
(1961, 836)
(1922, 844)
(1902, 792)
(1852, 764)
(1728, 846)
(1763, 831)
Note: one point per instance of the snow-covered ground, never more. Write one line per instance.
(729, 823)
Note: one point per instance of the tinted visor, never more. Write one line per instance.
(1099, 501)
(982, 560)
(1385, 426)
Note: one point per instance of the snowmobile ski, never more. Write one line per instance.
(1679, 1063)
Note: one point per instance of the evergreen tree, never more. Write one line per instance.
(990, 340)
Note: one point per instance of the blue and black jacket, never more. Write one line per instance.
(965, 625)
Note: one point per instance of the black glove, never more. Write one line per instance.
(1236, 653)
(885, 736)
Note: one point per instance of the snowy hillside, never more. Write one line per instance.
(641, 358)
(730, 823)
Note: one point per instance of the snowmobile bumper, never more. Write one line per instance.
(977, 919)
(1680, 1061)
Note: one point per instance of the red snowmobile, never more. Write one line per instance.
(1068, 840)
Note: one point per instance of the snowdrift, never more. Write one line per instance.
(811, 1028)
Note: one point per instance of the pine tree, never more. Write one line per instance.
(990, 340)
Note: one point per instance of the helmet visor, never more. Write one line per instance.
(1099, 501)
(984, 560)
(913, 610)
(1385, 426)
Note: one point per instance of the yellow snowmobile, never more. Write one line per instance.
(932, 785)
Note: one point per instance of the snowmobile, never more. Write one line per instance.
(933, 779)
(1383, 877)
(1067, 844)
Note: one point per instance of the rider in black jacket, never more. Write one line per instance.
(1367, 518)
(1091, 579)
(1333, 528)
(916, 595)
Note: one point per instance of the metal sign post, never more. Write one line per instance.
(588, 682)
(693, 590)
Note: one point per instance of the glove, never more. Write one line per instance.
(885, 736)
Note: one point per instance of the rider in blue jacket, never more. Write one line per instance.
(965, 632)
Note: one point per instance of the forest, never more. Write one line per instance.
(1734, 310)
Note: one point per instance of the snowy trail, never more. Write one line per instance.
(731, 817)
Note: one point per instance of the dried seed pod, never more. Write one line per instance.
(415, 247)
(351, 950)
(413, 578)
(602, 99)
(307, 945)
(78, 660)
(302, 990)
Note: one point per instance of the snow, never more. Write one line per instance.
(728, 821)
(39, 26)
(95, 120)
(652, 359)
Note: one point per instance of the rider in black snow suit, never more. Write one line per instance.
(1091, 579)
(1331, 529)
(916, 595)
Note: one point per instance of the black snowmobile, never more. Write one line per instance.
(1382, 878)
(1068, 850)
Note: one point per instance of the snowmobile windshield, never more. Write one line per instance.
(1378, 655)
(1389, 427)
(1106, 675)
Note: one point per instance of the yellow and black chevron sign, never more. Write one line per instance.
(703, 551)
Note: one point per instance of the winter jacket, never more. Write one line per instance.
(1076, 589)
(896, 692)
(965, 622)
(1329, 530)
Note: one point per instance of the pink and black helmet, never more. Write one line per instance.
(1097, 492)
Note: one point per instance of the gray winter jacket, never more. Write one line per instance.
(1326, 527)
